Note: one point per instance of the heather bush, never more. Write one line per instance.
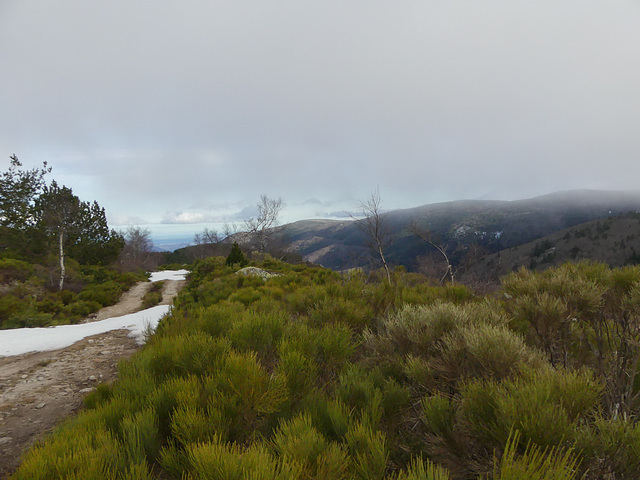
(29, 300)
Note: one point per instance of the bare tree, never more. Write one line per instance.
(371, 221)
(206, 237)
(228, 230)
(207, 243)
(138, 249)
(426, 235)
(260, 228)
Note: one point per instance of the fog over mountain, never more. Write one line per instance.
(182, 113)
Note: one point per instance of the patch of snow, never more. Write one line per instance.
(23, 340)
(169, 275)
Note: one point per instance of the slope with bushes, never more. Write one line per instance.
(311, 374)
(613, 240)
(28, 299)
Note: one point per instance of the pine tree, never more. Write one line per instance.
(236, 256)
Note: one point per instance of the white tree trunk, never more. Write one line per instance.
(62, 269)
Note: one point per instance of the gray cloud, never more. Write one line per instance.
(176, 111)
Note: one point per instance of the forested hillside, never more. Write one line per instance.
(614, 240)
(302, 372)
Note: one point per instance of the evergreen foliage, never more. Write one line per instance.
(236, 256)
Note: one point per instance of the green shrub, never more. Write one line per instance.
(300, 371)
(236, 256)
(545, 406)
(219, 461)
(154, 296)
(299, 441)
(368, 450)
(12, 270)
(245, 393)
(80, 308)
(192, 425)
(334, 309)
(330, 416)
(183, 355)
(9, 306)
(421, 470)
(610, 448)
(535, 463)
(246, 295)
(358, 391)
(90, 453)
(486, 351)
(106, 293)
(258, 332)
(439, 414)
(141, 437)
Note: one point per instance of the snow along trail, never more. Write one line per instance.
(23, 340)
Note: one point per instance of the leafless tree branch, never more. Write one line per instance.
(371, 222)
(426, 236)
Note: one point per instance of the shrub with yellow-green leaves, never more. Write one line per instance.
(315, 375)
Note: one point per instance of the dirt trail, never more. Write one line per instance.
(38, 390)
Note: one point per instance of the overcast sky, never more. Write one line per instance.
(186, 111)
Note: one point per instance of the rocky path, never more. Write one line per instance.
(38, 390)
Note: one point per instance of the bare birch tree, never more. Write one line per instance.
(260, 228)
(426, 236)
(60, 211)
(371, 222)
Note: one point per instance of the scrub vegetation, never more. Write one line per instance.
(28, 299)
(311, 374)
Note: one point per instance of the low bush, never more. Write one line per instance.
(154, 296)
(12, 270)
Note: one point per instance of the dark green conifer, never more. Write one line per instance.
(236, 256)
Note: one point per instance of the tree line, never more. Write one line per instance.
(40, 218)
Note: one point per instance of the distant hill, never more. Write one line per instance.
(487, 226)
(484, 238)
(614, 241)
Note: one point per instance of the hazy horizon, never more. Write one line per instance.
(185, 112)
